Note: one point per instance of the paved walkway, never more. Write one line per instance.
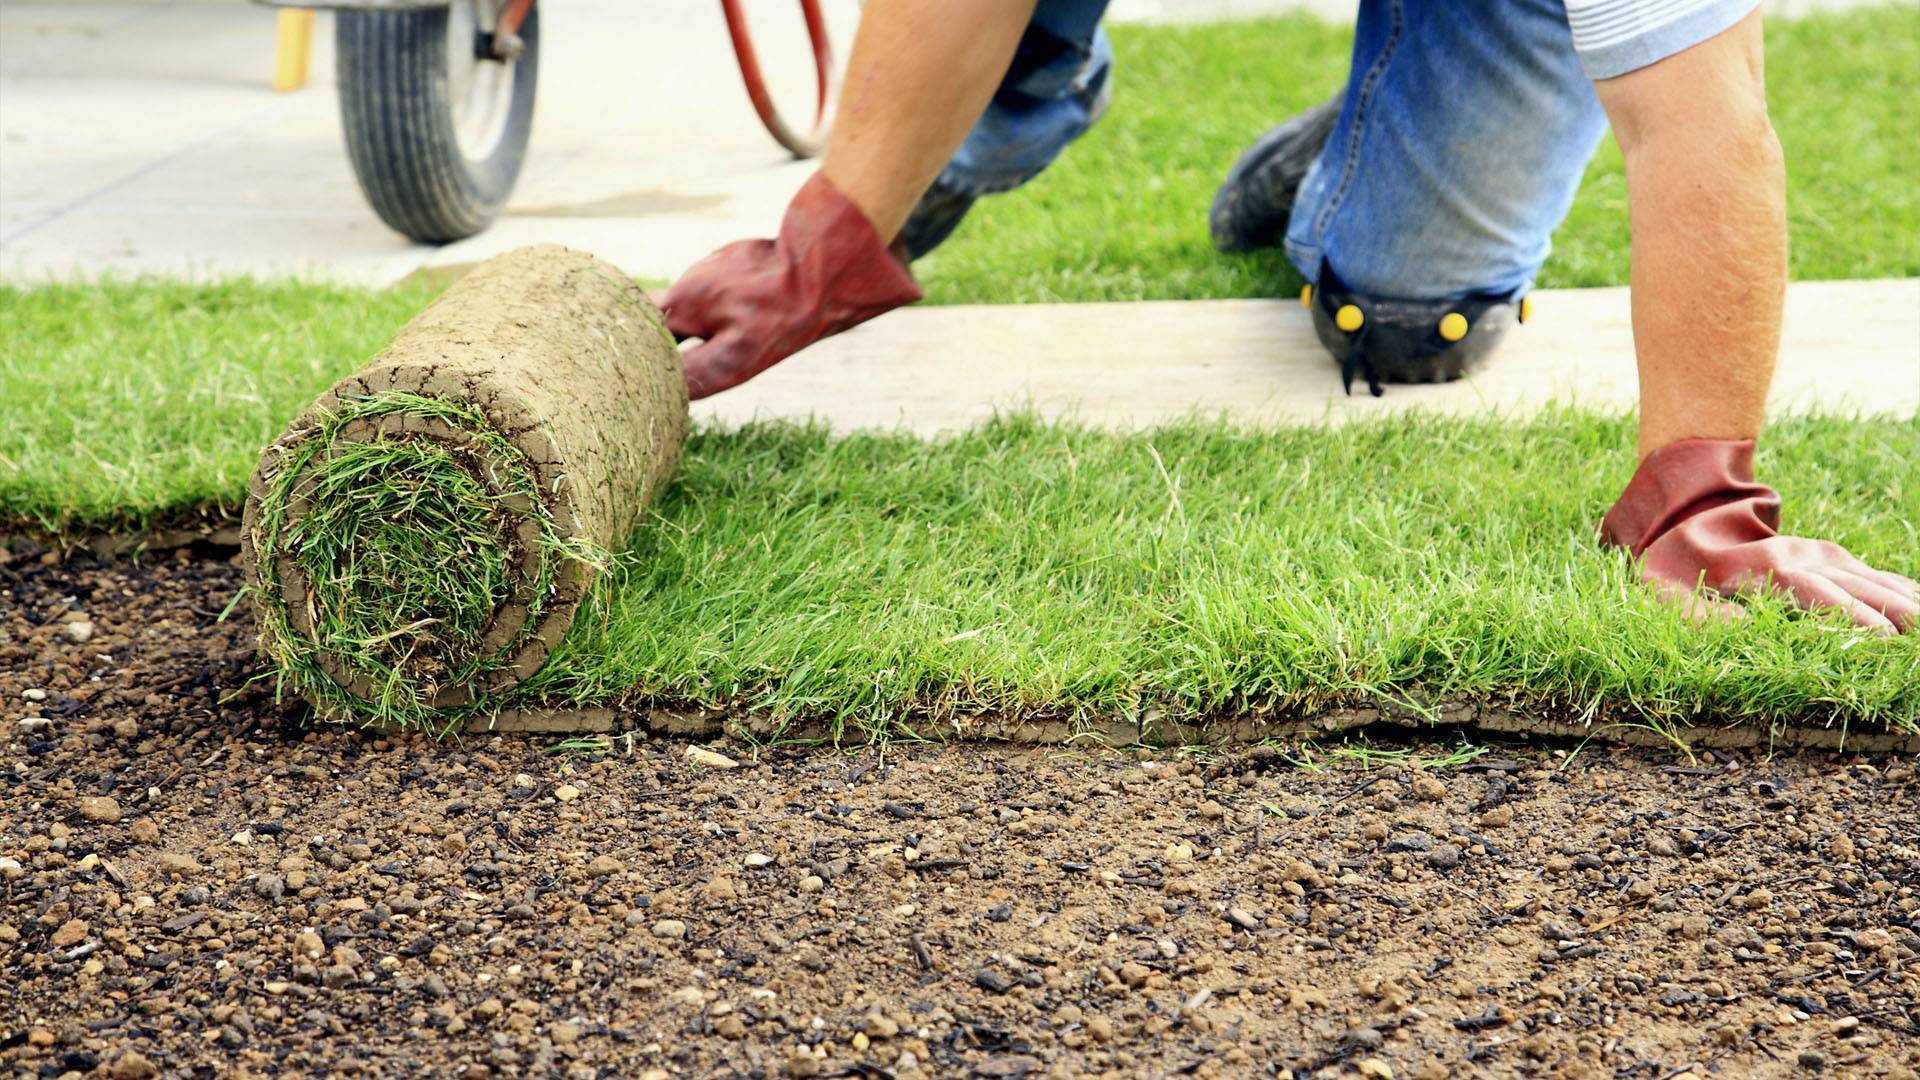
(140, 136)
(1850, 347)
(143, 137)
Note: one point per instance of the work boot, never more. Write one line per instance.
(1252, 206)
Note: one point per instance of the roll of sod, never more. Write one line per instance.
(422, 537)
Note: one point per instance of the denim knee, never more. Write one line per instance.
(1463, 137)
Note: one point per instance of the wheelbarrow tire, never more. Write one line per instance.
(397, 111)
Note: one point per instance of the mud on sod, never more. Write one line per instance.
(194, 885)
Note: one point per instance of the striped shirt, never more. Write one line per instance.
(1614, 37)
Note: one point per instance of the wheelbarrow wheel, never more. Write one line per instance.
(803, 142)
(436, 123)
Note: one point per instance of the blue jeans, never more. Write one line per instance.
(1464, 135)
(1054, 91)
(1466, 128)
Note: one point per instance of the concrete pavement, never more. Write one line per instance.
(142, 137)
(1850, 347)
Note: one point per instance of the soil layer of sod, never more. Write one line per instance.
(193, 886)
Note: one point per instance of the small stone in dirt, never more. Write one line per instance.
(337, 976)
(670, 928)
(700, 755)
(34, 694)
(1444, 857)
(100, 809)
(174, 864)
(759, 859)
(131, 1065)
(1364, 1038)
(1006, 1067)
(1556, 930)
(1812, 1059)
(1497, 818)
(604, 865)
(564, 1033)
(567, 793)
(992, 981)
(1412, 841)
(269, 887)
(79, 631)
(1427, 788)
(1244, 919)
(145, 831)
(1375, 1069)
(881, 1026)
(126, 728)
(1873, 939)
(812, 883)
(71, 932)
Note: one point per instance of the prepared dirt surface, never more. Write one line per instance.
(191, 885)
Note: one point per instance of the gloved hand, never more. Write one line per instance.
(757, 302)
(1694, 515)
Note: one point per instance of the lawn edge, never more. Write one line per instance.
(1462, 714)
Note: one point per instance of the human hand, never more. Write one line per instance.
(757, 302)
(1695, 517)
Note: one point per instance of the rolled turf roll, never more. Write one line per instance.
(421, 538)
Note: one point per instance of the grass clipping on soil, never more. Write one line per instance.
(421, 538)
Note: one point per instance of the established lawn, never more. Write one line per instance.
(1036, 569)
(1123, 214)
(1032, 569)
(123, 405)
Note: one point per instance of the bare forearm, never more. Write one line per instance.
(1707, 192)
(919, 77)
(1709, 277)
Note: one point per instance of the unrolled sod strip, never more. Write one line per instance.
(421, 538)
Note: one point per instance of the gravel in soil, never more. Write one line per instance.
(191, 885)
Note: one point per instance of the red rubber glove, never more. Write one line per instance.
(1695, 516)
(757, 302)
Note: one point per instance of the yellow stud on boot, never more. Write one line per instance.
(1526, 307)
(1306, 296)
(1349, 318)
(1453, 326)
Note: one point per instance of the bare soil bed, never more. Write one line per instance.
(192, 885)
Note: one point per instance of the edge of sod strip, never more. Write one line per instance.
(419, 541)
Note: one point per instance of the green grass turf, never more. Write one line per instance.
(1122, 215)
(126, 404)
(1029, 569)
